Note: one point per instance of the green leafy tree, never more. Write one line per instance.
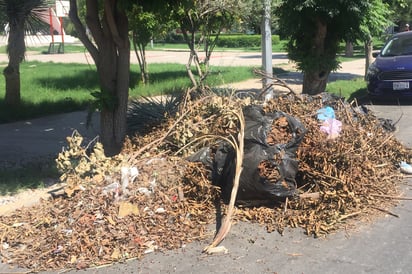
(68, 24)
(314, 29)
(143, 26)
(109, 47)
(21, 16)
(253, 13)
(402, 11)
(147, 20)
(207, 18)
(374, 23)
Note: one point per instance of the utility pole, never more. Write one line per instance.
(267, 50)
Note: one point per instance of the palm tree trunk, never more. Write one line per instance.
(12, 76)
(16, 50)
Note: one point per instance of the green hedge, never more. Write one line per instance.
(227, 40)
(243, 41)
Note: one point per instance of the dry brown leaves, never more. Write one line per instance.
(280, 132)
(354, 175)
(95, 226)
(171, 200)
(94, 222)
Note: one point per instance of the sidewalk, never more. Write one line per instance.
(33, 140)
(349, 70)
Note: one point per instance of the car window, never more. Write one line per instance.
(407, 46)
(398, 46)
(392, 48)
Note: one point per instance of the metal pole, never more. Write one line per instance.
(267, 49)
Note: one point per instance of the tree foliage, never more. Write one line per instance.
(376, 19)
(143, 25)
(314, 29)
(147, 21)
(252, 16)
(209, 18)
(375, 22)
(402, 10)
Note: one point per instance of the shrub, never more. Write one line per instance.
(226, 40)
(243, 40)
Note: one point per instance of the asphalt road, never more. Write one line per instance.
(383, 246)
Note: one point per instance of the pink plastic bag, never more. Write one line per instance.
(332, 127)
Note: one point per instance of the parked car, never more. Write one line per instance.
(390, 75)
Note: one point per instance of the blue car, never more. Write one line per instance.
(390, 75)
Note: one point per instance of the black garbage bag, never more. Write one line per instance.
(269, 169)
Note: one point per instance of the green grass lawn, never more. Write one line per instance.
(279, 47)
(68, 48)
(31, 176)
(349, 89)
(50, 88)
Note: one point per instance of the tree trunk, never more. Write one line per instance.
(112, 58)
(315, 80)
(349, 49)
(192, 58)
(12, 77)
(140, 51)
(16, 49)
(113, 72)
(368, 45)
(313, 83)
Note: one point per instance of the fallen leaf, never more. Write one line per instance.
(127, 208)
(116, 254)
(110, 220)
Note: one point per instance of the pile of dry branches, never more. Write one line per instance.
(104, 214)
(355, 175)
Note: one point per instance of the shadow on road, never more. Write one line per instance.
(296, 78)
